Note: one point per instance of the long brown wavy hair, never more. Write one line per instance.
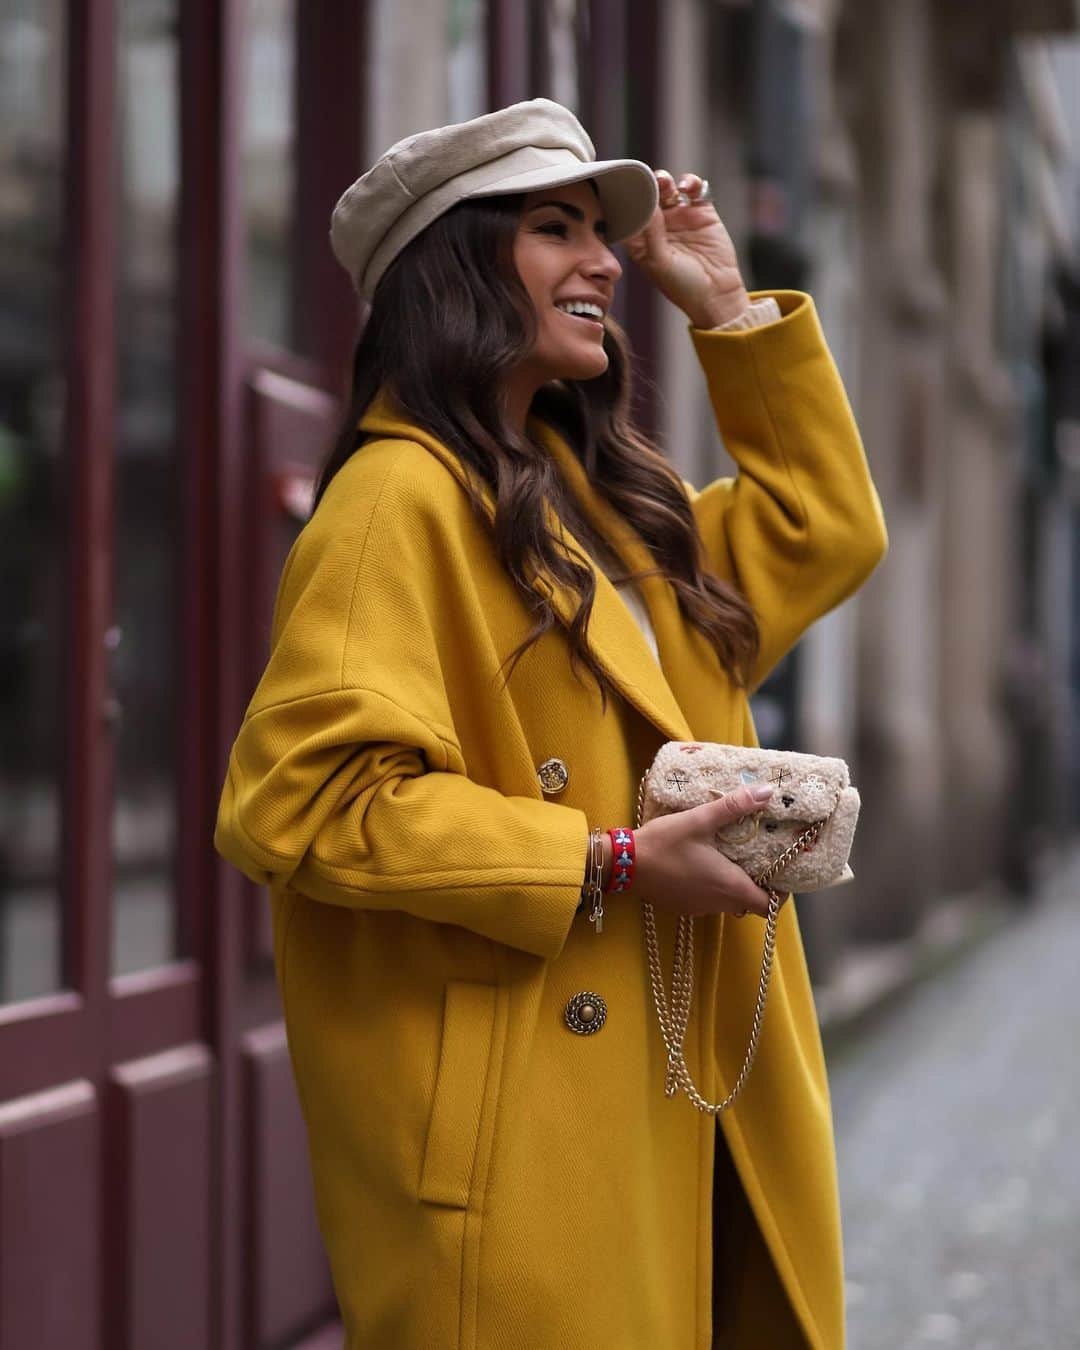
(449, 318)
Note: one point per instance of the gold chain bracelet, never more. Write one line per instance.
(592, 892)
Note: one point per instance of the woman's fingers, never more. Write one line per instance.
(734, 806)
(672, 189)
(726, 809)
(690, 184)
(744, 800)
(679, 863)
(665, 183)
(742, 890)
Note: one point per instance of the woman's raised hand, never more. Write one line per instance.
(679, 867)
(688, 254)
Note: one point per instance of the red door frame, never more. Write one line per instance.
(52, 1039)
(215, 993)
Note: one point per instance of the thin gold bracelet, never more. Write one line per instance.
(592, 892)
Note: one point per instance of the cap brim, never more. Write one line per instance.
(627, 189)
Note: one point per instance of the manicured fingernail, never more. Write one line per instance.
(684, 182)
(762, 793)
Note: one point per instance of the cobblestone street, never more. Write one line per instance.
(959, 1147)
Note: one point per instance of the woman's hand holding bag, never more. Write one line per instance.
(679, 867)
(686, 850)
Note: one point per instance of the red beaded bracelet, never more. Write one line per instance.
(624, 856)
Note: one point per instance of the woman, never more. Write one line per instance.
(457, 695)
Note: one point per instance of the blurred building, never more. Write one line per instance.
(904, 163)
(174, 336)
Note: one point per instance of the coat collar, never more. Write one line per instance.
(613, 635)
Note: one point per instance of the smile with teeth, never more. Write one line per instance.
(581, 309)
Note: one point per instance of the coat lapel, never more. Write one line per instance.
(613, 635)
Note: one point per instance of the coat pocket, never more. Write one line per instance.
(460, 1090)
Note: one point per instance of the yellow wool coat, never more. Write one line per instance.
(484, 1176)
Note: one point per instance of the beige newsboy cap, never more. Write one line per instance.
(517, 149)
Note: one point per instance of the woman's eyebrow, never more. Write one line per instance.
(574, 212)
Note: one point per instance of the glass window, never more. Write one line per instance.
(147, 518)
(466, 55)
(563, 52)
(424, 73)
(32, 554)
(269, 187)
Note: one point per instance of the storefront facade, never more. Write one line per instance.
(173, 347)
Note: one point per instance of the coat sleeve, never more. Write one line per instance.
(800, 527)
(347, 780)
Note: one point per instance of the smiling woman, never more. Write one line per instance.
(456, 711)
(569, 272)
(495, 349)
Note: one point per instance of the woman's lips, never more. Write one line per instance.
(581, 318)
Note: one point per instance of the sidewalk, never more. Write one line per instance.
(872, 975)
(957, 1140)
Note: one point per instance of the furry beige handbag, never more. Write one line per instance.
(800, 839)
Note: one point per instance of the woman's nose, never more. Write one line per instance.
(604, 264)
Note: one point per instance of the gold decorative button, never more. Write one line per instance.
(585, 1013)
(553, 775)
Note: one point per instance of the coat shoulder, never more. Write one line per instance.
(406, 469)
(395, 482)
(384, 487)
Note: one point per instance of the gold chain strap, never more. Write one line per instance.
(675, 1018)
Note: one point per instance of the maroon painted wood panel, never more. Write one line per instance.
(49, 1221)
(152, 1010)
(331, 96)
(292, 426)
(329, 1337)
(90, 412)
(159, 1182)
(508, 53)
(42, 1043)
(645, 134)
(290, 1290)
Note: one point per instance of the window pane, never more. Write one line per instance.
(147, 491)
(32, 655)
(466, 59)
(425, 70)
(563, 52)
(269, 188)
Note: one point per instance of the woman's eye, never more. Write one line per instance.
(558, 227)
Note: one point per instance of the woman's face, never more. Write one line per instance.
(561, 257)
